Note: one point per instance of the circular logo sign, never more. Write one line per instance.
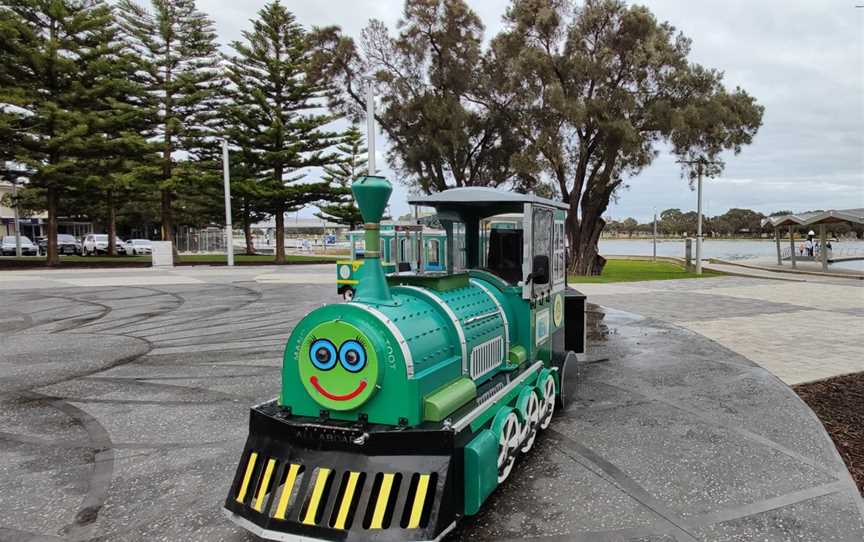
(558, 310)
(338, 366)
(344, 271)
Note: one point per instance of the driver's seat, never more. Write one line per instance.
(505, 254)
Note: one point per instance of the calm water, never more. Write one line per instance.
(724, 250)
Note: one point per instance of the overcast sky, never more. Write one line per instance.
(802, 59)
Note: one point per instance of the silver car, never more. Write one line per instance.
(27, 246)
(97, 243)
(138, 246)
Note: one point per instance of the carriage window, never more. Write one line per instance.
(559, 263)
(404, 250)
(542, 237)
(391, 258)
(432, 251)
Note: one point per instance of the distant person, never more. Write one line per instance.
(801, 248)
(808, 246)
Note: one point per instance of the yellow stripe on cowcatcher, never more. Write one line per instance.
(419, 501)
(317, 492)
(265, 482)
(381, 504)
(347, 498)
(290, 480)
(250, 468)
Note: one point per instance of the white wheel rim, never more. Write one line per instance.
(349, 294)
(532, 420)
(508, 443)
(548, 402)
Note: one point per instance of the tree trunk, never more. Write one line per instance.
(584, 236)
(112, 225)
(280, 233)
(53, 198)
(247, 229)
(168, 219)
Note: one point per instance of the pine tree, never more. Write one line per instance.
(116, 153)
(341, 207)
(274, 113)
(178, 66)
(55, 80)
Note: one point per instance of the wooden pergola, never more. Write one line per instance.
(818, 218)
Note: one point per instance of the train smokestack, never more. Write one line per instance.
(371, 194)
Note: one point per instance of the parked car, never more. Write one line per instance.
(27, 246)
(66, 244)
(97, 243)
(138, 246)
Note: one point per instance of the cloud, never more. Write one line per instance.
(802, 60)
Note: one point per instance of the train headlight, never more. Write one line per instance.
(338, 366)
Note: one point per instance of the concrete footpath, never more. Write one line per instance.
(799, 327)
(125, 408)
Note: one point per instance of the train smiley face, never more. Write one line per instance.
(338, 366)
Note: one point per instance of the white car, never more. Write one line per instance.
(138, 246)
(97, 243)
(9, 248)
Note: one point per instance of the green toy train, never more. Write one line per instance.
(401, 411)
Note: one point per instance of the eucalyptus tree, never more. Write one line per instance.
(594, 91)
(276, 113)
(178, 68)
(428, 76)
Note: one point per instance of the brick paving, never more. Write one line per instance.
(800, 331)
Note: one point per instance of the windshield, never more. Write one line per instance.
(140, 241)
(10, 239)
(65, 237)
(100, 237)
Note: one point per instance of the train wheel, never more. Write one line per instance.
(529, 406)
(348, 294)
(507, 426)
(547, 408)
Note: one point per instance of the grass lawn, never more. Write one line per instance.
(12, 262)
(639, 270)
(258, 258)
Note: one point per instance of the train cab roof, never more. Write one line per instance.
(480, 202)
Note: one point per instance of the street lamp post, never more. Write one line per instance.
(654, 257)
(229, 228)
(16, 218)
(699, 221)
(700, 165)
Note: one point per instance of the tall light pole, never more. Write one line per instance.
(700, 165)
(654, 258)
(16, 218)
(229, 228)
(370, 126)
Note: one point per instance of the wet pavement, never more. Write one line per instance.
(125, 410)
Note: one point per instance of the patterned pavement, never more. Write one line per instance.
(126, 405)
(800, 331)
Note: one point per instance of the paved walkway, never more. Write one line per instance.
(804, 329)
(125, 409)
(806, 271)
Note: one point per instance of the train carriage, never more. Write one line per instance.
(401, 411)
(403, 248)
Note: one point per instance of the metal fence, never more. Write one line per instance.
(212, 241)
(194, 241)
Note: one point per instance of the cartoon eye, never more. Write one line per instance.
(352, 356)
(323, 354)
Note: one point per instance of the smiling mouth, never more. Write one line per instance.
(333, 397)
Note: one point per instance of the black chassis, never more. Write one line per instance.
(342, 447)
